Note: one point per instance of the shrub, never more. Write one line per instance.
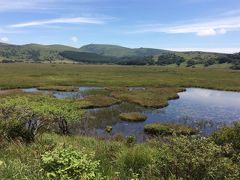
(1, 163)
(16, 129)
(18, 120)
(137, 159)
(130, 140)
(190, 63)
(209, 62)
(228, 135)
(181, 158)
(67, 163)
(31, 113)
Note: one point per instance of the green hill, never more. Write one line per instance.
(119, 51)
(32, 52)
(111, 54)
(86, 57)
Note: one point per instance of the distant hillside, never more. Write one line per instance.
(119, 51)
(112, 54)
(32, 52)
(86, 57)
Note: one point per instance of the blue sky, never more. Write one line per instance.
(210, 25)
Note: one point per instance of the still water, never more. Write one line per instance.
(203, 109)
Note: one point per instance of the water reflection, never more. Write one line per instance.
(203, 109)
(62, 94)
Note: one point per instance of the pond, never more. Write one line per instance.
(203, 109)
(61, 95)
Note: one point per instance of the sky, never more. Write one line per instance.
(183, 25)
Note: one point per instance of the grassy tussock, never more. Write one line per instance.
(166, 129)
(98, 101)
(133, 116)
(151, 97)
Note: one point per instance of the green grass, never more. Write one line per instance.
(166, 129)
(175, 158)
(37, 75)
(133, 116)
(151, 97)
(59, 88)
(98, 101)
(168, 159)
(194, 55)
(104, 92)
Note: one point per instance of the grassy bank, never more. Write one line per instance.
(172, 158)
(42, 75)
(46, 149)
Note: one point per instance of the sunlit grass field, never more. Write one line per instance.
(33, 75)
(171, 157)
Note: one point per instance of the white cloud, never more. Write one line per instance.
(231, 12)
(207, 32)
(6, 5)
(33, 5)
(205, 28)
(211, 32)
(4, 39)
(74, 39)
(76, 20)
(9, 31)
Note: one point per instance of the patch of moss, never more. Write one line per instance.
(98, 101)
(59, 88)
(133, 116)
(151, 97)
(103, 92)
(168, 129)
(10, 92)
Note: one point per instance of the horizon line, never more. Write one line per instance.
(181, 49)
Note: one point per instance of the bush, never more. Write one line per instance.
(67, 163)
(16, 129)
(181, 158)
(190, 63)
(209, 62)
(137, 159)
(228, 135)
(28, 114)
(130, 140)
(18, 120)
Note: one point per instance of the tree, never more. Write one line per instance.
(190, 63)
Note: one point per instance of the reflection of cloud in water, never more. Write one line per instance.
(201, 108)
(211, 97)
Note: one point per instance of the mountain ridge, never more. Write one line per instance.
(107, 53)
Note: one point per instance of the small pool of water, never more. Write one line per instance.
(62, 94)
(203, 109)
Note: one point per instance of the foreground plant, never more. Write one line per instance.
(24, 116)
(228, 135)
(182, 158)
(67, 163)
